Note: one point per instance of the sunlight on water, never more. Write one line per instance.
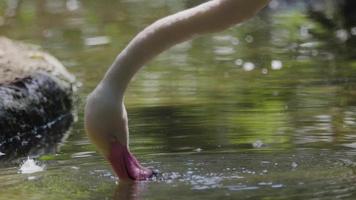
(95, 41)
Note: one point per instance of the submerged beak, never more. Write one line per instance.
(125, 165)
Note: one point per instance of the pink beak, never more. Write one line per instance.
(125, 165)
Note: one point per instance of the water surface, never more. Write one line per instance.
(265, 110)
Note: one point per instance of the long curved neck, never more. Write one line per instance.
(212, 16)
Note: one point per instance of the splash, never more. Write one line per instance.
(257, 144)
(30, 166)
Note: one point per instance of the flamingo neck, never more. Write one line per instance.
(212, 16)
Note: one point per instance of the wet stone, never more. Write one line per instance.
(35, 100)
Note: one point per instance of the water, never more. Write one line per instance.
(264, 110)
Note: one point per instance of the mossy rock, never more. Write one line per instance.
(35, 100)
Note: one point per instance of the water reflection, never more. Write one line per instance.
(263, 110)
(129, 191)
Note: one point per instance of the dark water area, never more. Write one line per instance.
(263, 110)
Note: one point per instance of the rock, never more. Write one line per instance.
(35, 100)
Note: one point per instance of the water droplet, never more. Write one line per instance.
(248, 66)
(198, 150)
(249, 39)
(294, 165)
(276, 64)
(31, 178)
(353, 31)
(265, 183)
(241, 187)
(349, 122)
(235, 41)
(83, 154)
(342, 35)
(224, 50)
(350, 145)
(239, 62)
(222, 38)
(75, 168)
(277, 186)
(257, 144)
(304, 32)
(264, 71)
(73, 5)
(273, 4)
(95, 41)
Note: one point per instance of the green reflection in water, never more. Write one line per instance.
(262, 110)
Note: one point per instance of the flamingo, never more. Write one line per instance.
(106, 121)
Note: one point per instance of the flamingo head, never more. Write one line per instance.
(107, 127)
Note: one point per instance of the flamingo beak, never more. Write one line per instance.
(125, 165)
